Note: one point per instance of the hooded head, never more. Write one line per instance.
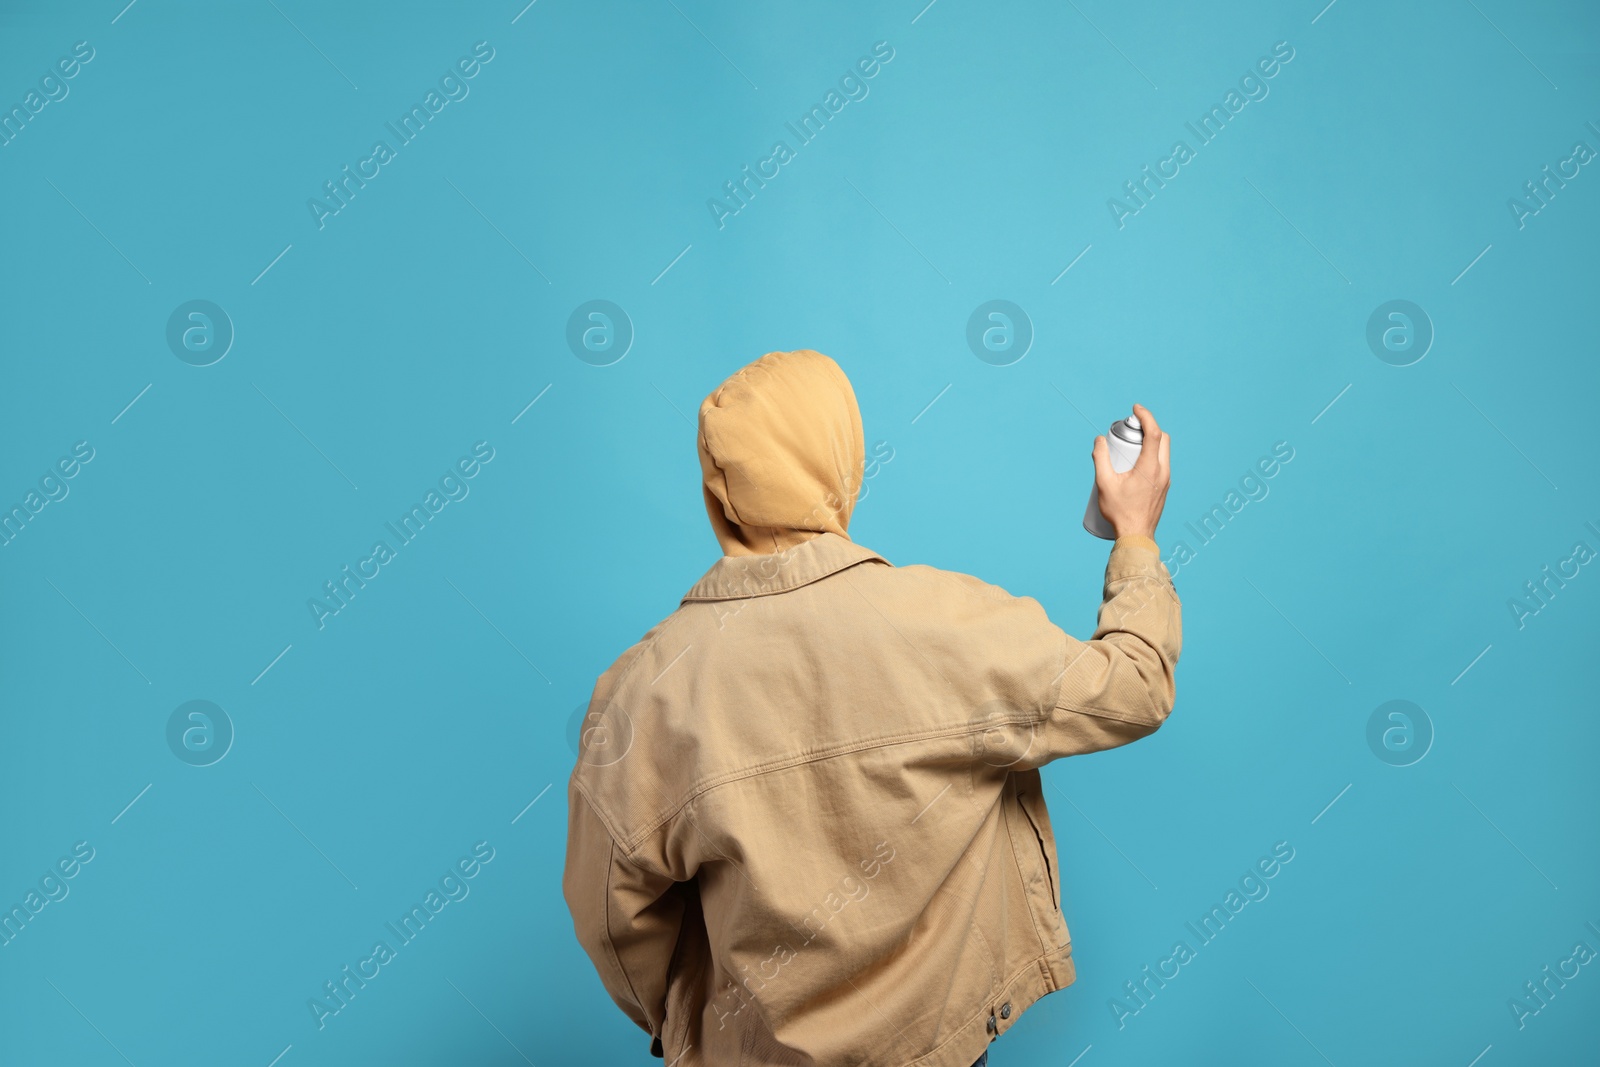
(781, 453)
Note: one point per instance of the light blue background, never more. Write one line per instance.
(428, 714)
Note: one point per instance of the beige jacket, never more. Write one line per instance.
(807, 825)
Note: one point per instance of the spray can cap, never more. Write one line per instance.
(1128, 429)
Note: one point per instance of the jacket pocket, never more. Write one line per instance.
(1044, 853)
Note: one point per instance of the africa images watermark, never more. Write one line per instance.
(1253, 887)
(1212, 122)
(1541, 193)
(850, 889)
(1253, 484)
(453, 887)
(1543, 590)
(1537, 996)
(453, 86)
(52, 889)
(452, 485)
(852, 87)
(53, 485)
(53, 87)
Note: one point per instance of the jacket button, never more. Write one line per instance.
(1005, 1010)
(994, 1027)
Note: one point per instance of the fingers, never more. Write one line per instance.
(1147, 419)
(1149, 462)
(1166, 455)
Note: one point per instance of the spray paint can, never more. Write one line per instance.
(1124, 440)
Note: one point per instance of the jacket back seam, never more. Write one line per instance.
(630, 844)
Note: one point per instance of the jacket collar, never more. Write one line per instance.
(739, 577)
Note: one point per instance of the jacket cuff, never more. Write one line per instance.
(1138, 539)
(1135, 555)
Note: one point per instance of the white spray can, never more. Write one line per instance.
(1124, 441)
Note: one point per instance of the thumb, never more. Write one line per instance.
(1102, 461)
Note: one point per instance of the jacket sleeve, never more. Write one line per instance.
(627, 918)
(1118, 686)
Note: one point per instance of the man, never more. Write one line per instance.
(806, 825)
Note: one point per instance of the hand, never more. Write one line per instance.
(1132, 501)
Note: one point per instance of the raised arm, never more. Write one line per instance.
(1118, 686)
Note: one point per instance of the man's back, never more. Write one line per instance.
(807, 824)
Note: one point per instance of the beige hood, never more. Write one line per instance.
(781, 453)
